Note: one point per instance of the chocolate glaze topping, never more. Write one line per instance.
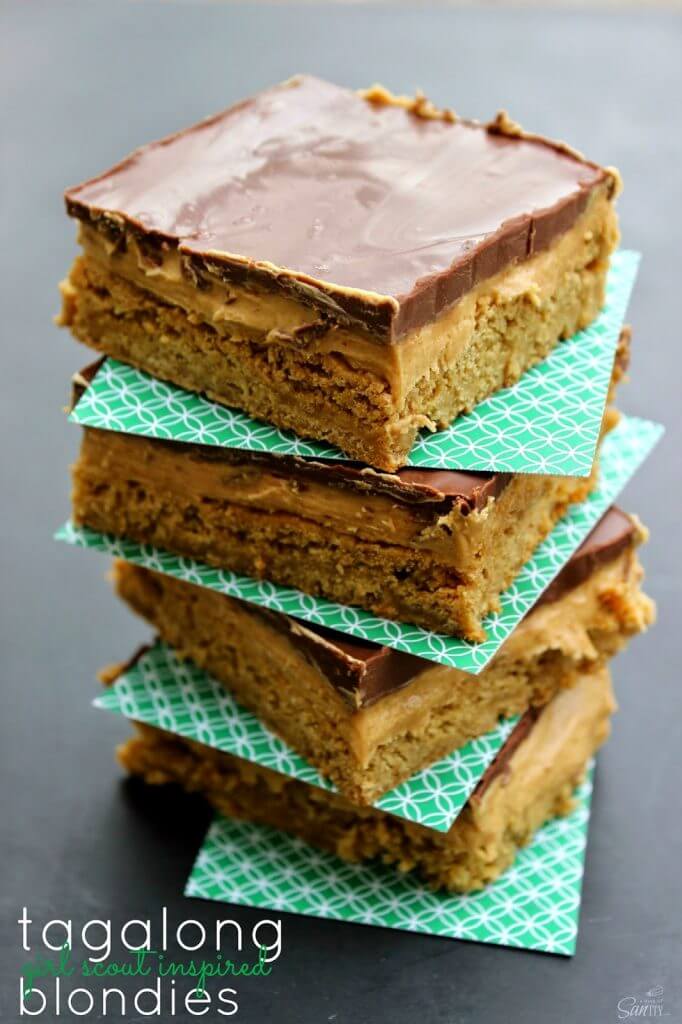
(613, 534)
(373, 215)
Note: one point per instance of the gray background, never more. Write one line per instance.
(81, 85)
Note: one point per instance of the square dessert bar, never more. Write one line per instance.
(431, 547)
(422, 546)
(531, 780)
(369, 717)
(351, 266)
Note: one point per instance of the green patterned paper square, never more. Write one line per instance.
(534, 905)
(623, 450)
(547, 423)
(179, 697)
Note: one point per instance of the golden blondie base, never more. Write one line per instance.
(370, 749)
(535, 784)
(264, 355)
(439, 567)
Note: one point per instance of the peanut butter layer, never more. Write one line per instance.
(365, 672)
(413, 326)
(319, 692)
(528, 784)
(395, 547)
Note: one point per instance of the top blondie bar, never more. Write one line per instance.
(351, 266)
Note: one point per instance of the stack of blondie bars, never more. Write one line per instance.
(338, 282)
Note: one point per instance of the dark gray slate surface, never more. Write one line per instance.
(82, 84)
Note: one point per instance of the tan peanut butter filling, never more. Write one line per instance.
(373, 517)
(565, 735)
(562, 625)
(249, 314)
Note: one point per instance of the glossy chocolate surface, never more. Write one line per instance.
(372, 214)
